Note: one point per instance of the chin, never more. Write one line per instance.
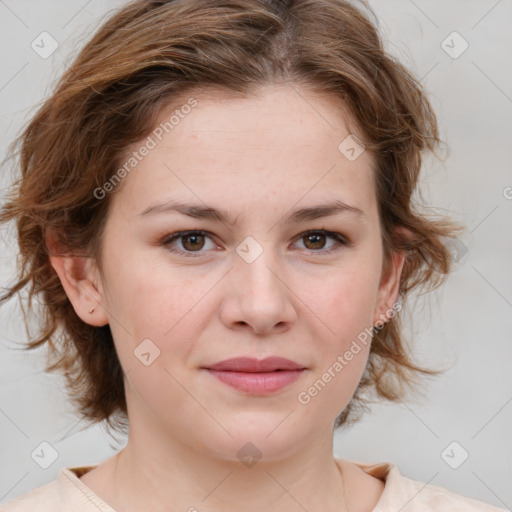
(266, 440)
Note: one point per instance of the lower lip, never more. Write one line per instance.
(257, 383)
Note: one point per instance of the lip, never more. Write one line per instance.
(258, 377)
(250, 364)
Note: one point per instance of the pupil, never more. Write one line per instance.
(317, 237)
(314, 239)
(194, 243)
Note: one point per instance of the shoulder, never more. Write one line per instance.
(423, 497)
(66, 492)
(432, 497)
(41, 499)
(407, 495)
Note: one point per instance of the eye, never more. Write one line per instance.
(193, 241)
(316, 241)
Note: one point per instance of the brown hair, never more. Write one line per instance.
(146, 56)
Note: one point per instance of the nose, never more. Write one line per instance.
(257, 296)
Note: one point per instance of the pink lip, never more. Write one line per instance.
(257, 377)
(249, 364)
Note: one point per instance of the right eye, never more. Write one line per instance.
(190, 241)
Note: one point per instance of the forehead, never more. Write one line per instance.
(295, 114)
(280, 144)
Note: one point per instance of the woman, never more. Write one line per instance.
(215, 205)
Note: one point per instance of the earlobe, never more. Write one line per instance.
(80, 279)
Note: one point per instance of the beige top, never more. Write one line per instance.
(67, 493)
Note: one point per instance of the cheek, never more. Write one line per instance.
(159, 316)
(149, 296)
(344, 303)
(159, 389)
(332, 387)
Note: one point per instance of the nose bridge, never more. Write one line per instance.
(258, 267)
(261, 296)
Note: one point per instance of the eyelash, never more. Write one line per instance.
(341, 241)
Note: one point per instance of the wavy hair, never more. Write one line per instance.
(143, 58)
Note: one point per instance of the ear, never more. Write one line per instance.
(389, 287)
(81, 281)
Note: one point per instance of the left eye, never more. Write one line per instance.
(194, 241)
(317, 237)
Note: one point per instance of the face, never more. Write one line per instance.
(261, 282)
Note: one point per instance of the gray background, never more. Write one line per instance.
(468, 322)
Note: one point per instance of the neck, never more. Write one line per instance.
(148, 477)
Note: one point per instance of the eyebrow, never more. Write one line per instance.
(219, 215)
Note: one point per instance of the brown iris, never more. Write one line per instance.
(317, 239)
(197, 241)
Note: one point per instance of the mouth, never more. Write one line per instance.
(257, 377)
(250, 364)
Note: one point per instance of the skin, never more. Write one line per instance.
(257, 157)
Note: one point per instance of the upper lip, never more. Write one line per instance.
(249, 364)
